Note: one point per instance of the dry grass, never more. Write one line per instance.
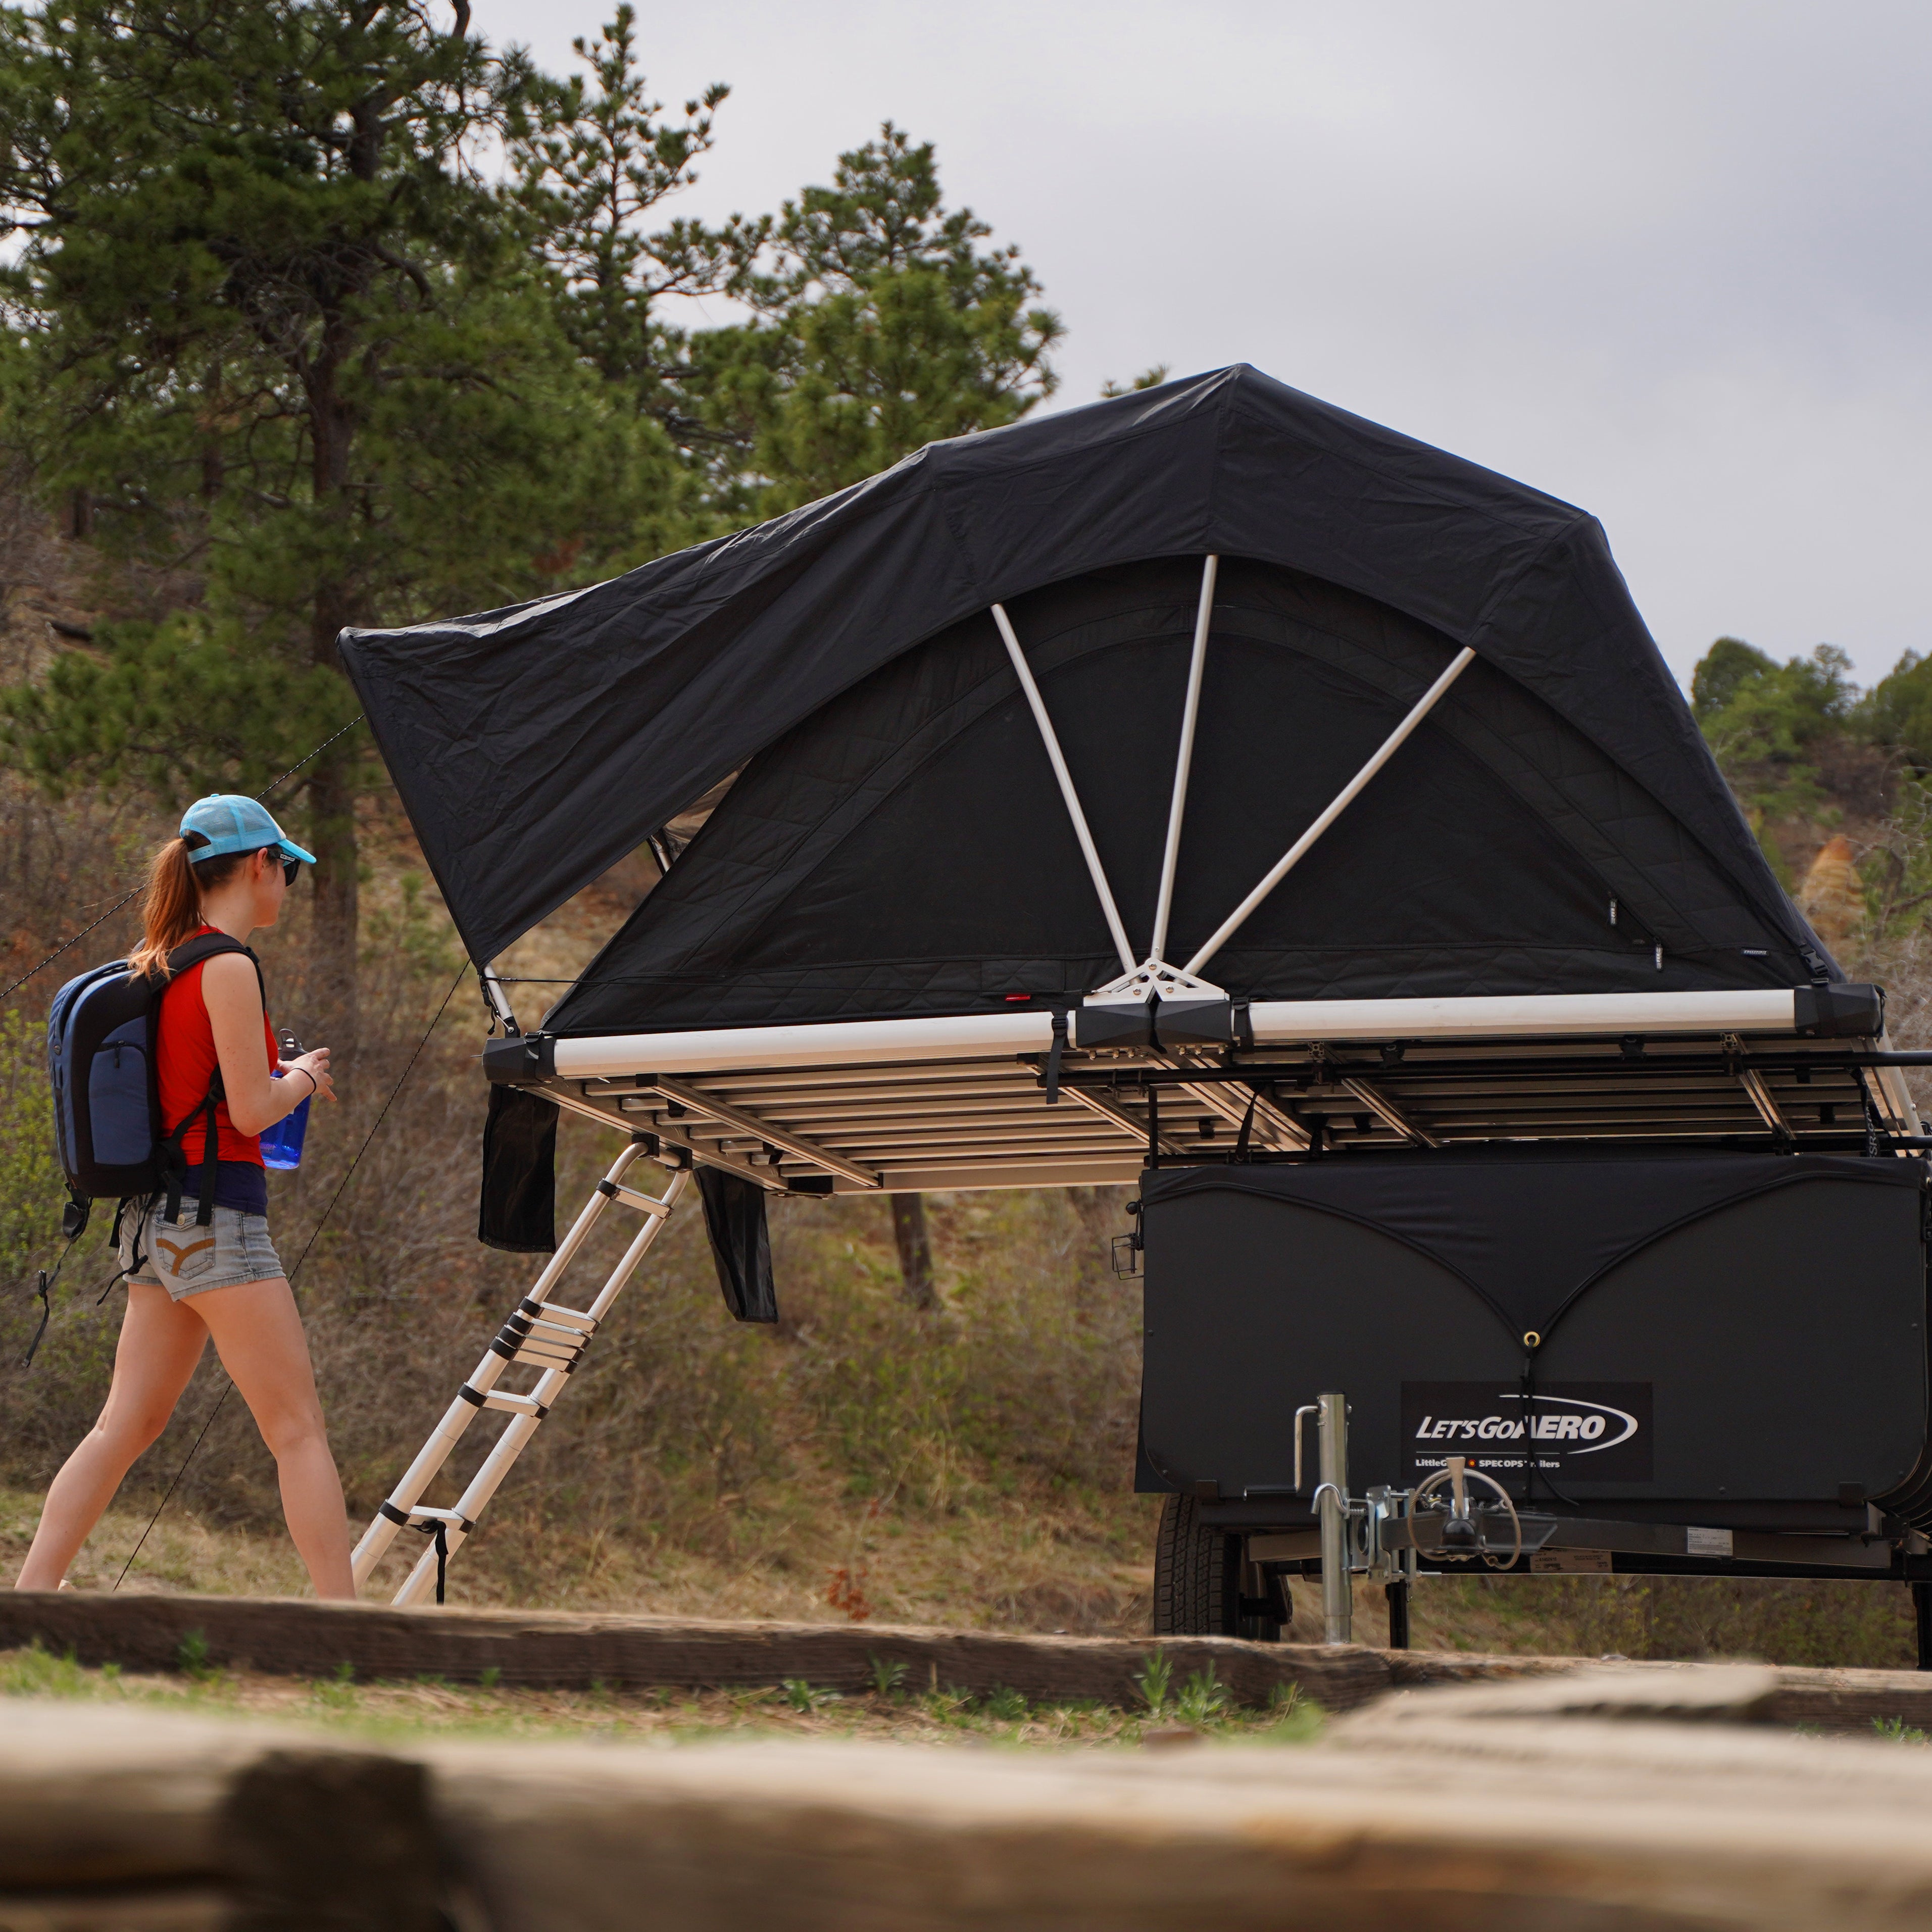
(1195, 1712)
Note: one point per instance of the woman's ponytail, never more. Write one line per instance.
(170, 912)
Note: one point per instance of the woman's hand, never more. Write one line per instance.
(315, 1064)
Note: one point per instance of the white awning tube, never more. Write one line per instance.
(1283, 1022)
(832, 1043)
(1273, 1022)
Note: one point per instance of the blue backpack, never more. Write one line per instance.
(102, 1032)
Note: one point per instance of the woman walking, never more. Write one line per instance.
(193, 1275)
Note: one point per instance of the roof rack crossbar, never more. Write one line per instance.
(758, 1128)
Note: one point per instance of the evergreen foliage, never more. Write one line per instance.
(592, 177)
(288, 344)
(1762, 718)
(881, 325)
(1898, 711)
(279, 344)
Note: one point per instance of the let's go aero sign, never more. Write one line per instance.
(1600, 1430)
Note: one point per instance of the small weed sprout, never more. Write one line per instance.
(492, 1676)
(1153, 1680)
(1007, 1704)
(1297, 1720)
(337, 1691)
(803, 1697)
(889, 1675)
(1203, 1698)
(191, 1656)
(1896, 1730)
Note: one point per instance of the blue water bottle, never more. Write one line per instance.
(282, 1143)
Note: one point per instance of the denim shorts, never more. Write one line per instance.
(186, 1258)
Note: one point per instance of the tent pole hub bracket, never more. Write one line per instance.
(1154, 978)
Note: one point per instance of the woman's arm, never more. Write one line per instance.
(232, 995)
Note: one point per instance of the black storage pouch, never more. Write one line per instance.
(741, 1244)
(518, 1211)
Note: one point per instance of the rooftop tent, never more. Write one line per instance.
(898, 844)
(1205, 783)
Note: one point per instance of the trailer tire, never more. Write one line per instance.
(1197, 1574)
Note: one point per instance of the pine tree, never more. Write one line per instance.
(593, 179)
(277, 339)
(881, 325)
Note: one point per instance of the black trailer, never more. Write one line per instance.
(1211, 790)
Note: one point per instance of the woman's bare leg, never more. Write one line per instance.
(160, 1343)
(258, 1334)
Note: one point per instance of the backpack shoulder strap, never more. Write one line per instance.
(206, 946)
(191, 953)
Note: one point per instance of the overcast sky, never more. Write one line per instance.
(1667, 258)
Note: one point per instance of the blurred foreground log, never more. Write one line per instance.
(141, 1822)
(1642, 1797)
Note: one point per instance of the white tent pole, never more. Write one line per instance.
(1293, 856)
(1190, 713)
(1067, 790)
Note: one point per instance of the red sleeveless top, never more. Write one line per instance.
(185, 1063)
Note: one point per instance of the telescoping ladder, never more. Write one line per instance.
(540, 1335)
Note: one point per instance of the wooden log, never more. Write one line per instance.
(176, 1908)
(1438, 1823)
(1849, 1701)
(552, 1648)
(101, 1807)
(1725, 1693)
(555, 1649)
(1789, 1834)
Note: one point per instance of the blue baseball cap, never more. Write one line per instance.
(229, 822)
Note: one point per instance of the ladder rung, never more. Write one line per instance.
(528, 1338)
(562, 1359)
(562, 1318)
(502, 1399)
(645, 1204)
(563, 1337)
(421, 1516)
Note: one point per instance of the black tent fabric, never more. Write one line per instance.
(517, 1209)
(741, 1244)
(905, 850)
(1528, 1231)
(535, 746)
(1757, 1319)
